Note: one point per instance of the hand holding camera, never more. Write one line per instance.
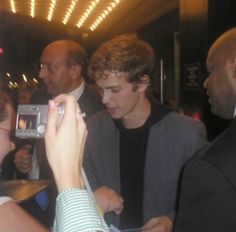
(32, 119)
(65, 142)
(61, 124)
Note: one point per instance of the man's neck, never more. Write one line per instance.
(138, 117)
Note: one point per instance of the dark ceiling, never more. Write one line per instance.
(24, 37)
(124, 15)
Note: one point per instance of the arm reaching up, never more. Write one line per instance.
(75, 209)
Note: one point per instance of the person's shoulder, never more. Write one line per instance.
(101, 119)
(90, 101)
(171, 120)
(175, 122)
(91, 90)
(99, 116)
(182, 120)
(91, 94)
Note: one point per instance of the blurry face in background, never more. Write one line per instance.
(23, 97)
(6, 126)
(54, 71)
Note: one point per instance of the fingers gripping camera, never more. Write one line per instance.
(31, 120)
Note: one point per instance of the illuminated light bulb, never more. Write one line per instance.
(24, 78)
(113, 4)
(104, 14)
(51, 9)
(86, 13)
(69, 11)
(13, 6)
(93, 4)
(85, 16)
(32, 10)
(35, 80)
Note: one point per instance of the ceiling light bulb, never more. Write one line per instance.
(13, 6)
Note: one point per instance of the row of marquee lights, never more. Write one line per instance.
(13, 84)
(69, 11)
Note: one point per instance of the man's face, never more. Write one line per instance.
(54, 71)
(120, 97)
(220, 84)
(24, 97)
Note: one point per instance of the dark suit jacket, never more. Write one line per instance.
(89, 101)
(208, 189)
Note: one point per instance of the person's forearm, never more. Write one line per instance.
(68, 180)
(15, 219)
(76, 211)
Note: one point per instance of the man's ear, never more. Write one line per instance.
(144, 83)
(75, 70)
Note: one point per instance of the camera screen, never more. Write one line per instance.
(26, 121)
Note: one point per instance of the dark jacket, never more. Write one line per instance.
(208, 188)
(171, 142)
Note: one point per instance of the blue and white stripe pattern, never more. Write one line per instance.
(76, 212)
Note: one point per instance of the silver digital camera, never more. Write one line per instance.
(31, 120)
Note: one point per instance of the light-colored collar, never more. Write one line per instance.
(79, 91)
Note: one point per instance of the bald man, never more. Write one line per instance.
(63, 65)
(208, 189)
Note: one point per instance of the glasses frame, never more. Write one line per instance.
(52, 68)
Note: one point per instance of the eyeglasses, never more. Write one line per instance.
(10, 132)
(51, 67)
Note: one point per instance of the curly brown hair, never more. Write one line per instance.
(4, 99)
(125, 53)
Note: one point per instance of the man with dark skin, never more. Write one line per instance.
(207, 196)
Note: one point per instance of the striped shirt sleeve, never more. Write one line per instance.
(3, 197)
(76, 211)
(4, 200)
